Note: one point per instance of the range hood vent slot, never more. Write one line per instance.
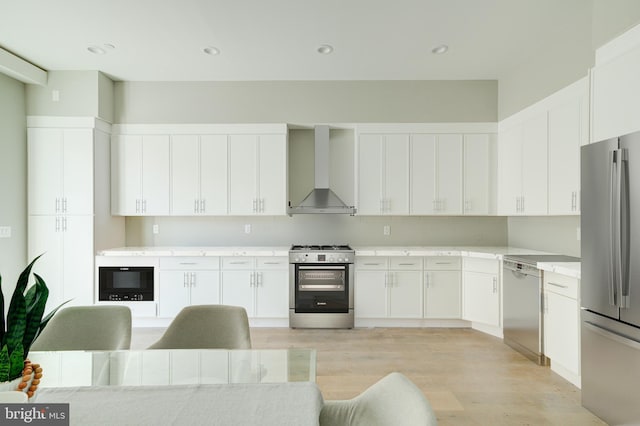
(322, 200)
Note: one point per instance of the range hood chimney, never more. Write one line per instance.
(322, 199)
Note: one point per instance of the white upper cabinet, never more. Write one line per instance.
(477, 174)
(140, 175)
(198, 175)
(383, 174)
(257, 174)
(568, 131)
(615, 87)
(522, 150)
(436, 174)
(60, 171)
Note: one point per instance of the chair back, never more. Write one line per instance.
(99, 328)
(207, 327)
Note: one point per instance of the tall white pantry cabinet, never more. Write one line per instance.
(68, 203)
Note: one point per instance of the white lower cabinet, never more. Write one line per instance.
(481, 291)
(260, 285)
(66, 245)
(562, 325)
(187, 281)
(388, 287)
(442, 287)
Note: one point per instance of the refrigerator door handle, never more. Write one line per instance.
(623, 227)
(612, 227)
(612, 335)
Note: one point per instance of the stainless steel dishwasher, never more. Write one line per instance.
(522, 303)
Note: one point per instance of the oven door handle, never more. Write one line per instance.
(321, 287)
(331, 268)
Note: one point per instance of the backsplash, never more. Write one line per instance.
(318, 229)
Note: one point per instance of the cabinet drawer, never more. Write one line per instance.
(405, 263)
(190, 263)
(442, 263)
(561, 284)
(272, 262)
(370, 262)
(238, 263)
(488, 266)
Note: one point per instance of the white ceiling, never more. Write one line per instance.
(162, 40)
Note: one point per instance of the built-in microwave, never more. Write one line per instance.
(125, 283)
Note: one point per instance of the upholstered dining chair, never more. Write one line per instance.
(393, 400)
(207, 327)
(99, 328)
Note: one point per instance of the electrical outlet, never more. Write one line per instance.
(578, 233)
(247, 228)
(55, 96)
(5, 232)
(156, 229)
(386, 230)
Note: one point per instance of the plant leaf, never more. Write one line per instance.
(4, 364)
(1, 314)
(34, 315)
(31, 296)
(16, 323)
(16, 362)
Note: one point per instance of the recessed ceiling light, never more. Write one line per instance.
(439, 50)
(100, 49)
(211, 50)
(325, 49)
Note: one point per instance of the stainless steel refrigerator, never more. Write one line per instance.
(610, 279)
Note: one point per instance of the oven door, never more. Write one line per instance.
(322, 288)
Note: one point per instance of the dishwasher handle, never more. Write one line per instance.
(520, 270)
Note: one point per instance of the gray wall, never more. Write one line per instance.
(318, 229)
(555, 234)
(611, 18)
(306, 101)
(81, 94)
(13, 182)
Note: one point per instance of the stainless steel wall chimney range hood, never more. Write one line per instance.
(322, 200)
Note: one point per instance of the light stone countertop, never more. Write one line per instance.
(571, 269)
(467, 251)
(196, 251)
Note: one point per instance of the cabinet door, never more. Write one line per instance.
(205, 288)
(238, 289)
(77, 172)
(423, 174)
(564, 158)
(272, 180)
(77, 260)
(272, 294)
(442, 294)
(370, 191)
(155, 175)
(243, 177)
(481, 302)
(561, 329)
(173, 293)
(370, 297)
(45, 237)
(126, 175)
(185, 175)
(405, 294)
(449, 174)
(534, 165)
(45, 170)
(476, 174)
(396, 175)
(509, 170)
(213, 174)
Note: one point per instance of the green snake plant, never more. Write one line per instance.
(24, 322)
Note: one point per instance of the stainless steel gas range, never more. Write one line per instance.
(321, 286)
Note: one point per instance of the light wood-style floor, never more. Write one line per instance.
(469, 377)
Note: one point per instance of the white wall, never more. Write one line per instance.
(13, 182)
